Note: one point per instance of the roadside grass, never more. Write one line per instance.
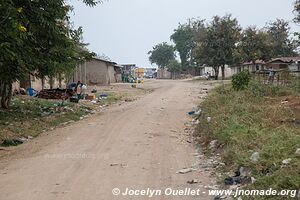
(111, 99)
(262, 118)
(31, 116)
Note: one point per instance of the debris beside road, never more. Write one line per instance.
(185, 171)
(56, 94)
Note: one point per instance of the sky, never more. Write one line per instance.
(126, 30)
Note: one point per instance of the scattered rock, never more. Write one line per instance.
(198, 112)
(208, 119)
(23, 139)
(185, 171)
(244, 171)
(286, 161)
(297, 152)
(255, 157)
(213, 145)
(195, 122)
(193, 181)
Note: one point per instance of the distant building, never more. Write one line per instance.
(249, 66)
(164, 74)
(150, 72)
(128, 69)
(210, 70)
(97, 72)
(288, 63)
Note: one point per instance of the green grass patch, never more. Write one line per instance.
(262, 118)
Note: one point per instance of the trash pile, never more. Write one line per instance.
(56, 94)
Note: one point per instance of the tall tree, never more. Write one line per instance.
(255, 45)
(161, 55)
(216, 46)
(297, 11)
(34, 36)
(183, 38)
(282, 45)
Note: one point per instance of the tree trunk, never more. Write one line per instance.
(216, 69)
(223, 72)
(59, 81)
(51, 82)
(43, 82)
(5, 93)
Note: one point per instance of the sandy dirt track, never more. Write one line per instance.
(137, 145)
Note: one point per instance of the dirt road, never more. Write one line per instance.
(137, 145)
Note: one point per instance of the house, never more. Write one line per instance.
(249, 66)
(97, 72)
(38, 84)
(164, 74)
(210, 70)
(287, 63)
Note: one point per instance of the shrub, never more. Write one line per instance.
(241, 80)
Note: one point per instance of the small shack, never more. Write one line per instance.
(164, 74)
(98, 72)
(285, 63)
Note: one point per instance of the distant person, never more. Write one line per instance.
(78, 89)
(83, 90)
(271, 75)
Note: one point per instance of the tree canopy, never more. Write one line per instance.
(36, 36)
(161, 55)
(216, 45)
(183, 38)
(254, 45)
(280, 39)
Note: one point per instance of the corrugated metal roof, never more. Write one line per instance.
(285, 59)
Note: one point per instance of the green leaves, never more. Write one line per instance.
(162, 54)
(184, 43)
(254, 45)
(263, 44)
(241, 80)
(216, 46)
(36, 36)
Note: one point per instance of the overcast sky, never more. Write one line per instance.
(125, 30)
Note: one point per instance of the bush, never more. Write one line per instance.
(241, 80)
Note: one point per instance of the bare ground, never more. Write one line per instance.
(136, 145)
